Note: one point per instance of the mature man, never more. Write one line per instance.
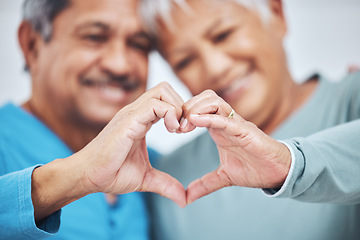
(87, 60)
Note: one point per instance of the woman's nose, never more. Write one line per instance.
(216, 63)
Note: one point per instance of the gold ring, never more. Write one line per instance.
(231, 115)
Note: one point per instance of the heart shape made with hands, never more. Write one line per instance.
(248, 157)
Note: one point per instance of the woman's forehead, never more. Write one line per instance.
(163, 12)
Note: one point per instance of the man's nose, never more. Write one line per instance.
(216, 63)
(116, 59)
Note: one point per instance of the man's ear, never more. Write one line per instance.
(277, 12)
(28, 39)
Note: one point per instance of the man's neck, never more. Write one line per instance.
(74, 134)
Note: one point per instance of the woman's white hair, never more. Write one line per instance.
(153, 10)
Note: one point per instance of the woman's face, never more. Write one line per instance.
(221, 45)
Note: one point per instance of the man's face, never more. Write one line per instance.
(221, 45)
(95, 63)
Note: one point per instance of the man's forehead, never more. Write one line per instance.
(108, 14)
(119, 7)
(129, 6)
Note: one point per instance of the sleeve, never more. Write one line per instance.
(354, 95)
(326, 167)
(17, 211)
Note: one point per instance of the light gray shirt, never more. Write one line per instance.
(244, 213)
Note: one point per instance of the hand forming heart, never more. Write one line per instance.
(248, 157)
(118, 159)
(117, 162)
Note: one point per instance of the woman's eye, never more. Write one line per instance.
(222, 36)
(183, 63)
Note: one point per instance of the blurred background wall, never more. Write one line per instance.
(323, 36)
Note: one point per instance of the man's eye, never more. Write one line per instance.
(95, 38)
(141, 46)
(222, 36)
(184, 63)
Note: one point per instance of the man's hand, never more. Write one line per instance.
(248, 157)
(116, 161)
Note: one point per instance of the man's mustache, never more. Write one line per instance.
(122, 81)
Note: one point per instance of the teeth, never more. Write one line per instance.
(235, 85)
(126, 86)
(111, 92)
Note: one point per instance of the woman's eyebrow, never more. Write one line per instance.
(180, 50)
(207, 33)
(212, 27)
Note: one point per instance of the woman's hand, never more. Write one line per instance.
(248, 157)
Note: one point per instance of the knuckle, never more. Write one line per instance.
(171, 108)
(218, 101)
(159, 89)
(209, 93)
(151, 102)
(164, 85)
(185, 108)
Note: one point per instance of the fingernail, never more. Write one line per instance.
(194, 115)
(183, 123)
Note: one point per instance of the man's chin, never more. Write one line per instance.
(100, 111)
(99, 117)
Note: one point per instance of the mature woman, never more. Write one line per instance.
(235, 48)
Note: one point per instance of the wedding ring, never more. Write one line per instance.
(231, 115)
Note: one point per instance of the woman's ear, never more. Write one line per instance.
(28, 40)
(278, 16)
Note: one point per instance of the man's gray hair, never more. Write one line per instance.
(152, 10)
(41, 13)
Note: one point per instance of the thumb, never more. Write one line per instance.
(165, 185)
(207, 184)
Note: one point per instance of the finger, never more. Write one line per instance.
(215, 105)
(210, 105)
(206, 106)
(137, 120)
(233, 126)
(236, 127)
(156, 109)
(170, 120)
(177, 97)
(209, 183)
(185, 126)
(166, 93)
(198, 98)
(164, 185)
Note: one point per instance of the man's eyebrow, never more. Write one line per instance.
(95, 24)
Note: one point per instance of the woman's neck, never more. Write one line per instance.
(292, 99)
